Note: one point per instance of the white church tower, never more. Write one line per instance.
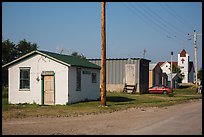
(183, 63)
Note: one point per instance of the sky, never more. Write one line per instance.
(133, 29)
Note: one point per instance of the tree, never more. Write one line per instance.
(8, 54)
(178, 71)
(11, 51)
(76, 54)
(8, 51)
(24, 47)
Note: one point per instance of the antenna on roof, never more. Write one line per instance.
(62, 50)
(144, 52)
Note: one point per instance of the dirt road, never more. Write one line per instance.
(180, 119)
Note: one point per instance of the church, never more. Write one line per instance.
(186, 66)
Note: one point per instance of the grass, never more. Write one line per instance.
(115, 101)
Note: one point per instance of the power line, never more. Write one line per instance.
(146, 17)
(151, 12)
(148, 20)
(133, 11)
(176, 15)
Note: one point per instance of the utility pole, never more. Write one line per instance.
(103, 56)
(195, 57)
(171, 69)
(196, 65)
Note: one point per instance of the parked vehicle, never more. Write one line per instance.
(160, 89)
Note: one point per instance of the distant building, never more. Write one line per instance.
(164, 79)
(155, 74)
(118, 72)
(186, 67)
(174, 80)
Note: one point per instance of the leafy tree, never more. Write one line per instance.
(76, 54)
(178, 71)
(8, 51)
(11, 51)
(24, 47)
(8, 54)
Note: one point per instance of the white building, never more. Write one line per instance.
(47, 78)
(185, 65)
(174, 80)
(155, 74)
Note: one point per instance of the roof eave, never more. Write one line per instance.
(43, 54)
(28, 54)
(53, 58)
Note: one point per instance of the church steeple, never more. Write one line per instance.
(183, 63)
(183, 53)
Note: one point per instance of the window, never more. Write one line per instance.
(78, 79)
(24, 78)
(93, 75)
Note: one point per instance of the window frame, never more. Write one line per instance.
(93, 78)
(78, 79)
(22, 86)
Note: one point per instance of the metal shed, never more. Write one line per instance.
(115, 73)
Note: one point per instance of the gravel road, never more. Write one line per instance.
(180, 119)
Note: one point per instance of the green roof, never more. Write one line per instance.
(64, 59)
(72, 60)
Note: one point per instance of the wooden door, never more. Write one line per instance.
(130, 74)
(49, 90)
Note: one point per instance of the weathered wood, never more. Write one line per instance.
(49, 90)
(103, 56)
(130, 87)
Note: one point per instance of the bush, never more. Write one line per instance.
(171, 94)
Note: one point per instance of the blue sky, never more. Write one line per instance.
(157, 27)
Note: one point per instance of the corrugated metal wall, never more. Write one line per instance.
(115, 69)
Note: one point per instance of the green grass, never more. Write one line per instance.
(115, 101)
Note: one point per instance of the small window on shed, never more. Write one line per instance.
(78, 79)
(24, 78)
(93, 75)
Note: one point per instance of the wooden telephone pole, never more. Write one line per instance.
(103, 56)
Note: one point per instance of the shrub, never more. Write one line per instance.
(171, 94)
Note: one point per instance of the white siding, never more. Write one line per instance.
(184, 67)
(37, 64)
(165, 68)
(89, 90)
